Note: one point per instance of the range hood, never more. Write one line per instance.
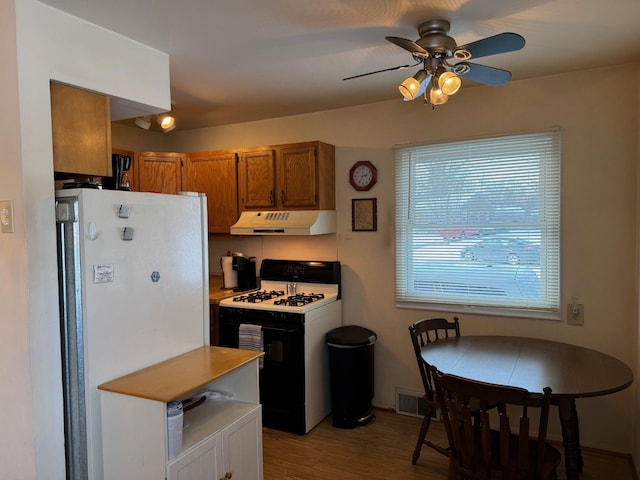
(293, 222)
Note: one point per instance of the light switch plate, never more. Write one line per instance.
(575, 314)
(6, 216)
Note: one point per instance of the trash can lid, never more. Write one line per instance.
(351, 335)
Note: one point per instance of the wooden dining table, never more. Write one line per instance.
(571, 372)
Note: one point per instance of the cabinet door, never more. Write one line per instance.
(257, 180)
(203, 462)
(298, 177)
(81, 129)
(159, 171)
(243, 447)
(215, 174)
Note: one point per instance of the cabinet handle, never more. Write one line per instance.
(282, 197)
(271, 197)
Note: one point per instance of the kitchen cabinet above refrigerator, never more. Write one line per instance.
(81, 131)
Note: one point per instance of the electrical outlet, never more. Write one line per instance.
(575, 314)
(6, 216)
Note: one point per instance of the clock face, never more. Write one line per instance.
(363, 175)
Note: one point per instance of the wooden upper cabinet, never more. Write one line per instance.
(214, 173)
(287, 177)
(81, 129)
(159, 171)
(283, 177)
(298, 177)
(257, 179)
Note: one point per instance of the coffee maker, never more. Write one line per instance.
(121, 165)
(246, 269)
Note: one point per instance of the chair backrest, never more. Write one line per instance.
(424, 332)
(504, 452)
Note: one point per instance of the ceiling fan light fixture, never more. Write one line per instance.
(143, 122)
(166, 122)
(449, 83)
(412, 87)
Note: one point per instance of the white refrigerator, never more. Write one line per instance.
(134, 283)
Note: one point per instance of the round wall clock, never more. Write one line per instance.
(363, 175)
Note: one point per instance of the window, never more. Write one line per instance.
(478, 225)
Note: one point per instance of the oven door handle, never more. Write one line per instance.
(276, 329)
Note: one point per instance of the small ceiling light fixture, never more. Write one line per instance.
(434, 80)
(143, 122)
(166, 122)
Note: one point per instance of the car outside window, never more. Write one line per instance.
(478, 225)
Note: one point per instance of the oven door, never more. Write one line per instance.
(282, 374)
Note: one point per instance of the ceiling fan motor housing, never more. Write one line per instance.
(434, 38)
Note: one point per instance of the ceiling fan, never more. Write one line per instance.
(444, 62)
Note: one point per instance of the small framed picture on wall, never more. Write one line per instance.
(364, 214)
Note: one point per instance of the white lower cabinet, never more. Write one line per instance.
(233, 453)
(204, 461)
(242, 447)
(221, 439)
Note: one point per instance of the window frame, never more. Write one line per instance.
(549, 189)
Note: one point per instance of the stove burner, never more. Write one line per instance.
(257, 297)
(300, 299)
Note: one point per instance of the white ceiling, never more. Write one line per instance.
(233, 61)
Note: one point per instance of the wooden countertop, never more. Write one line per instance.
(216, 290)
(180, 375)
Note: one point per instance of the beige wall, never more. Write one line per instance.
(599, 171)
(128, 138)
(16, 416)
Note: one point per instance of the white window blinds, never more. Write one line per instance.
(478, 223)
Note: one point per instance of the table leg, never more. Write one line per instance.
(570, 437)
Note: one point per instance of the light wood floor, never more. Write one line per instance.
(382, 450)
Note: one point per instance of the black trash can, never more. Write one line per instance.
(351, 374)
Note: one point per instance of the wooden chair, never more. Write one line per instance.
(422, 333)
(479, 452)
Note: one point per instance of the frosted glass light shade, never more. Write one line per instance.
(449, 83)
(412, 86)
(436, 97)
